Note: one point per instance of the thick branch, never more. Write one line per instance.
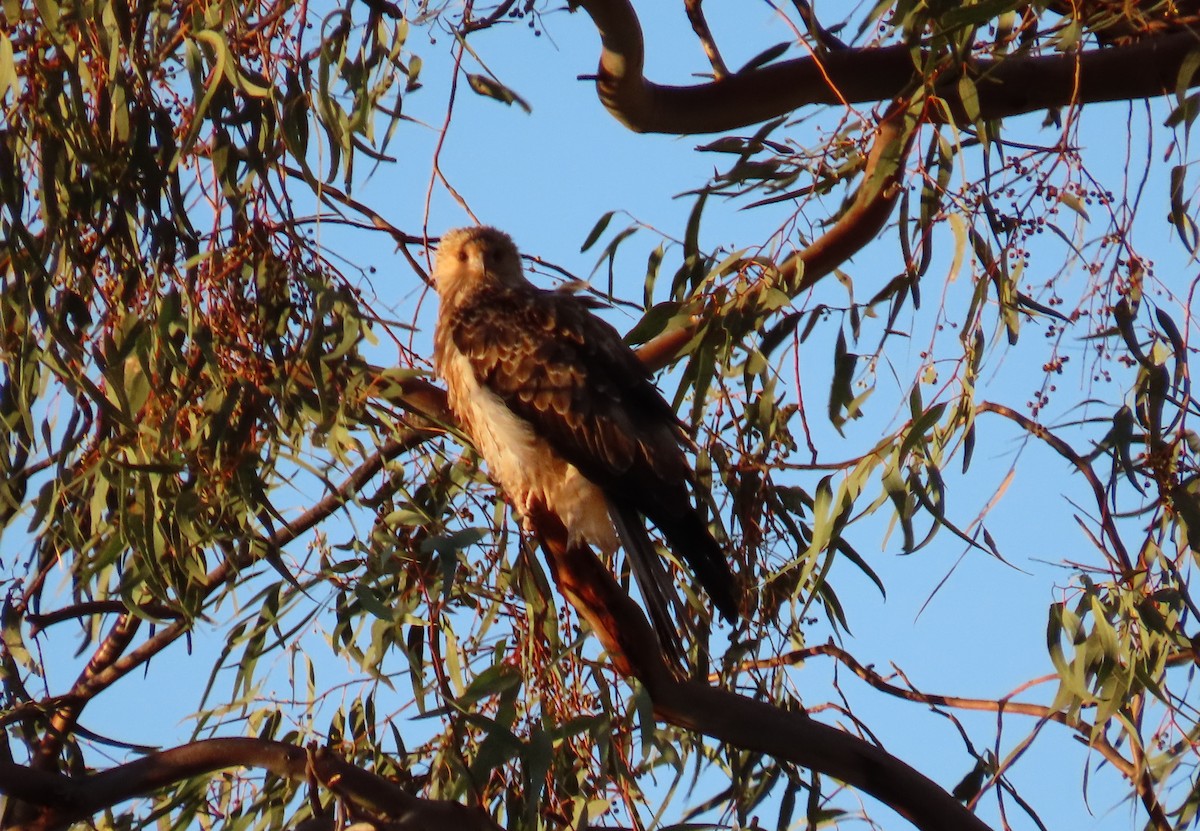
(67, 799)
(1010, 86)
(75, 611)
(738, 720)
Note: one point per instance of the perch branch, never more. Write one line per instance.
(743, 722)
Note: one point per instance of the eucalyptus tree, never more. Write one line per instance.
(200, 450)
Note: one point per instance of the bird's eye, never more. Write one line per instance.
(462, 255)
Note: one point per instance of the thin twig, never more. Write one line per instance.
(695, 14)
(94, 607)
(823, 37)
(1084, 729)
(486, 22)
(1081, 464)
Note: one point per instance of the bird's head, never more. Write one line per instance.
(470, 257)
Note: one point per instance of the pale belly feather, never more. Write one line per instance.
(525, 466)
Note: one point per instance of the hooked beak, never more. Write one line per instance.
(475, 259)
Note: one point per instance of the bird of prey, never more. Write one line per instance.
(567, 418)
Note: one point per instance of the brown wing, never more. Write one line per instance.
(585, 392)
(570, 375)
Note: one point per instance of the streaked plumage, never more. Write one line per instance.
(566, 415)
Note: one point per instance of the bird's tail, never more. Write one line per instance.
(690, 539)
(656, 586)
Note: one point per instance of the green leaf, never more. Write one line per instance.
(843, 405)
(920, 427)
(373, 602)
(596, 231)
(206, 90)
(969, 96)
(8, 70)
(655, 321)
(538, 755)
(846, 550)
(1187, 71)
(14, 640)
(499, 746)
(977, 13)
(491, 88)
(693, 269)
(653, 263)
(1072, 201)
(765, 57)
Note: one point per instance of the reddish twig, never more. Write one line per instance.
(1080, 464)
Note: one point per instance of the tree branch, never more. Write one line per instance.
(62, 723)
(695, 13)
(742, 722)
(65, 799)
(1009, 86)
(1084, 729)
(110, 663)
(873, 203)
(88, 608)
